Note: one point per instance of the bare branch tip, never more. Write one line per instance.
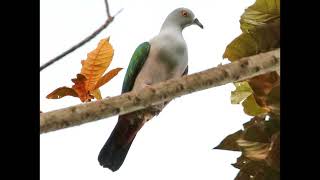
(107, 9)
(118, 12)
(87, 39)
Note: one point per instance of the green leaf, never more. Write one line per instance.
(260, 13)
(260, 25)
(251, 107)
(243, 90)
(230, 142)
(260, 39)
(260, 96)
(243, 45)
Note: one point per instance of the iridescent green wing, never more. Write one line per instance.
(138, 58)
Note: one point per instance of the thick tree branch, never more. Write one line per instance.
(236, 71)
(87, 39)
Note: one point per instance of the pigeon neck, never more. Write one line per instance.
(168, 25)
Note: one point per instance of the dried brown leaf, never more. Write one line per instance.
(107, 77)
(230, 142)
(61, 92)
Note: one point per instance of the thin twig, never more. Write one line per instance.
(239, 70)
(107, 8)
(87, 39)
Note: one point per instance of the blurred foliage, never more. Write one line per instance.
(259, 140)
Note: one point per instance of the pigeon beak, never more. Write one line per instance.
(197, 22)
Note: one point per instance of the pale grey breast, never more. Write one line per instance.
(168, 58)
(173, 52)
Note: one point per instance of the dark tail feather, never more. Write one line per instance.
(115, 150)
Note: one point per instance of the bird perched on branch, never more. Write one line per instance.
(163, 57)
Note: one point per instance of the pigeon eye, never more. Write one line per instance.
(184, 13)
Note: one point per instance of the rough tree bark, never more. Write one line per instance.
(236, 71)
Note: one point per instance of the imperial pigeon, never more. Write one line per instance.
(163, 57)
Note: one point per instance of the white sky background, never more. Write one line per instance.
(178, 143)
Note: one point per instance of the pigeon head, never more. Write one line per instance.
(182, 17)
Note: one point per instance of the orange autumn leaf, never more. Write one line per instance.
(97, 63)
(263, 84)
(79, 86)
(96, 94)
(86, 85)
(61, 92)
(77, 90)
(107, 77)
